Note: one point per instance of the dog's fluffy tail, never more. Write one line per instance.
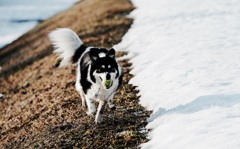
(67, 44)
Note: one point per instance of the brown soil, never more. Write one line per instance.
(41, 108)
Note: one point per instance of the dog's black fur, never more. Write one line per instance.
(98, 73)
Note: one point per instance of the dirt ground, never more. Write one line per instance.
(40, 107)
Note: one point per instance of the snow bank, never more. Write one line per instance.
(186, 62)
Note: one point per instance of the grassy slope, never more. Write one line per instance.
(41, 107)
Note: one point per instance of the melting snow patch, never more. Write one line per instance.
(1, 95)
(122, 133)
(138, 113)
(143, 130)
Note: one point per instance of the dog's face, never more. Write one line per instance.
(105, 68)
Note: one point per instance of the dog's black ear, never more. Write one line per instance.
(94, 56)
(111, 53)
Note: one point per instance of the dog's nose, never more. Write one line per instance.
(108, 77)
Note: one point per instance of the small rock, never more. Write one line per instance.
(57, 63)
(26, 84)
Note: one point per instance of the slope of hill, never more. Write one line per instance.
(40, 107)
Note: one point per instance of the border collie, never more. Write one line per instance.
(98, 73)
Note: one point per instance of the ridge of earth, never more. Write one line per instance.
(41, 108)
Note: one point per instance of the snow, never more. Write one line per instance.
(186, 62)
(19, 16)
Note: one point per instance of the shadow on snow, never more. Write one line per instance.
(201, 103)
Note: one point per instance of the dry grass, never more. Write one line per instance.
(41, 108)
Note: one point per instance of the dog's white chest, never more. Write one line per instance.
(97, 92)
(102, 94)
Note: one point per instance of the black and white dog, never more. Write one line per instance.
(98, 73)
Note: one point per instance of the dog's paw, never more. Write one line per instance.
(84, 105)
(98, 119)
(112, 106)
(90, 112)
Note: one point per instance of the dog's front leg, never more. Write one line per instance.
(110, 102)
(91, 106)
(101, 107)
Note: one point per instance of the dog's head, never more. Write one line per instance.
(106, 69)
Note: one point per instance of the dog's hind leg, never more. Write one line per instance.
(83, 99)
(100, 110)
(80, 91)
(91, 106)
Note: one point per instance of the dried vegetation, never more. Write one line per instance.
(41, 108)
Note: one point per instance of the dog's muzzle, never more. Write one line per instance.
(108, 83)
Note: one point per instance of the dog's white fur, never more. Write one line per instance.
(65, 43)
